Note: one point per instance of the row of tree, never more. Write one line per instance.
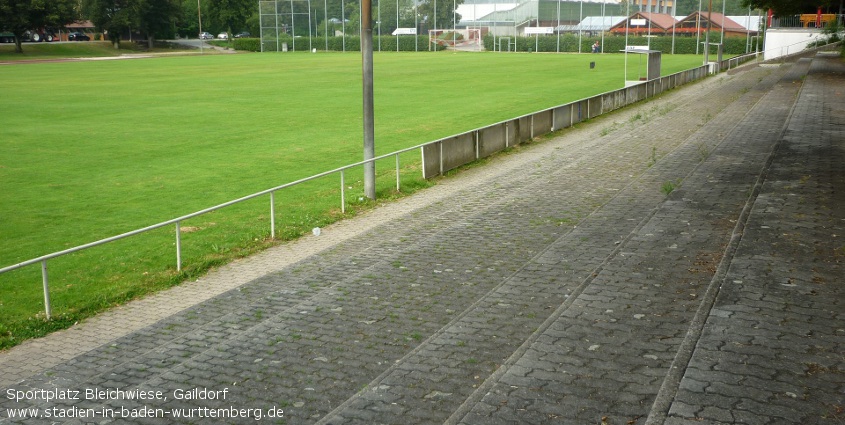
(158, 19)
(151, 18)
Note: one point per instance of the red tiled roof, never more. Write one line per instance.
(659, 20)
(662, 20)
(717, 19)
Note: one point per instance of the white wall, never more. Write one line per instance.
(786, 41)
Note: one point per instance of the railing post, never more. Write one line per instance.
(272, 215)
(47, 309)
(397, 170)
(440, 146)
(532, 127)
(507, 134)
(178, 248)
(477, 147)
(342, 193)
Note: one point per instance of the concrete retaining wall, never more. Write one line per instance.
(446, 154)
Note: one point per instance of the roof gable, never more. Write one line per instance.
(658, 20)
(717, 19)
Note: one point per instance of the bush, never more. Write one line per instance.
(248, 44)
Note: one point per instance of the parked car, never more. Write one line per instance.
(206, 36)
(223, 36)
(243, 34)
(78, 36)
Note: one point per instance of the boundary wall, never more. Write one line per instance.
(451, 152)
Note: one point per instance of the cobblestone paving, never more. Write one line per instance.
(773, 348)
(558, 284)
(605, 355)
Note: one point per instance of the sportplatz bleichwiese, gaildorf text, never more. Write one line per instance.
(42, 397)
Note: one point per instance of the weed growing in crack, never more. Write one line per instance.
(653, 159)
(668, 187)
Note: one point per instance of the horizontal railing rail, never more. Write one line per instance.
(807, 20)
(511, 132)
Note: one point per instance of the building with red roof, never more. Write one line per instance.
(645, 23)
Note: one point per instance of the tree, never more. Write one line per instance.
(112, 17)
(20, 16)
(155, 17)
(116, 17)
(232, 15)
(445, 17)
(790, 7)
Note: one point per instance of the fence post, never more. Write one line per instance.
(47, 309)
(532, 126)
(507, 134)
(342, 193)
(178, 248)
(397, 155)
(440, 145)
(272, 215)
(477, 147)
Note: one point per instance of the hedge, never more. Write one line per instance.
(614, 43)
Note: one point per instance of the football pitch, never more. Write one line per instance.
(92, 149)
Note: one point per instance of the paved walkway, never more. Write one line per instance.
(676, 262)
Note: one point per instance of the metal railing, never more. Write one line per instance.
(177, 221)
(736, 61)
(573, 112)
(807, 20)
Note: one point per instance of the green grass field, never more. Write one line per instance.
(91, 149)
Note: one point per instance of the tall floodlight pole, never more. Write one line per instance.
(454, 23)
(310, 47)
(558, 27)
(627, 25)
(674, 24)
(580, 18)
(722, 35)
(199, 18)
(260, 25)
(397, 26)
(602, 24)
(343, 23)
(416, 27)
(326, 17)
(369, 120)
(435, 29)
(698, 28)
(292, 27)
(277, 25)
(748, 32)
(707, 34)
